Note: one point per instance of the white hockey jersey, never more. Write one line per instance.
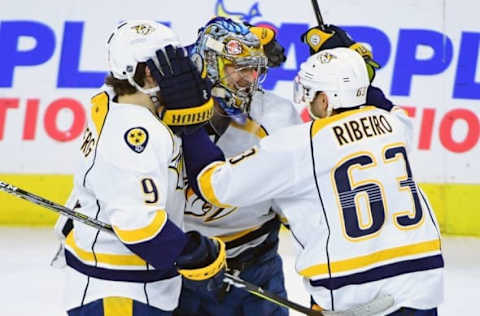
(345, 184)
(130, 177)
(242, 228)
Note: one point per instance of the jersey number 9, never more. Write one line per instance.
(150, 191)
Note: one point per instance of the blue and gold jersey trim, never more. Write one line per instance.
(102, 258)
(371, 259)
(382, 272)
(137, 276)
(352, 271)
(95, 265)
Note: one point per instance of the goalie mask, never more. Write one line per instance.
(221, 43)
(340, 73)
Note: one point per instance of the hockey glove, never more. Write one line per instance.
(332, 36)
(202, 262)
(185, 93)
(271, 47)
(376, 98)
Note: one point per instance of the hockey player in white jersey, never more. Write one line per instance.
(345, 184)
(131, 177)
(244, 115)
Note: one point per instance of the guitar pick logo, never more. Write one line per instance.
(136, 139)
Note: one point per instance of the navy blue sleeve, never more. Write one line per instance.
(376, 97)
(199, 151)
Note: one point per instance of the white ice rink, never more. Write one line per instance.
(29, 286)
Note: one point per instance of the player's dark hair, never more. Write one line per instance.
(123, 87)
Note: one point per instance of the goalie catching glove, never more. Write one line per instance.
(203, 261)
(331, 36)
(184, 91)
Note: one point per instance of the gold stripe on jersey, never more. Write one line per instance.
(230, 237)
(204, 180)
(99, 110)
(132, 236)
(117, 306)
(251, 127)
(321, 123)
(110, 259)
(373, 258)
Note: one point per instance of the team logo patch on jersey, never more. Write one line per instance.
(137, 139)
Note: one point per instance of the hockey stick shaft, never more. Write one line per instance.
(374, 307)
(318, 14)
(54, 207)
(272, 297)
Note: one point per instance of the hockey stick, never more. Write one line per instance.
(377, 305)
(54, 207)
(318, 14)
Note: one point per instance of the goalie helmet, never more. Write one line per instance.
(133, 42)
(223, 42)
(339, 72)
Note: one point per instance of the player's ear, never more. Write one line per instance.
(149, 80)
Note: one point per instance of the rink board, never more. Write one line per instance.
(52, 60)
(454, 204)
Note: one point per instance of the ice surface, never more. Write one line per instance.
(29, 286)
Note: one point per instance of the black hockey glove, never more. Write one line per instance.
(376, 98)
(332, 36)
(202, 262)
(185, 93)
(271, 47)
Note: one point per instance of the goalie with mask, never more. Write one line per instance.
(236, 64)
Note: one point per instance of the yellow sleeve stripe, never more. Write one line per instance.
(117, 306)
(205, 184)
(376, 257)
(144, 233)
(109, 259)
(321, 123)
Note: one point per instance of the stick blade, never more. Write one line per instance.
(375, 307)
